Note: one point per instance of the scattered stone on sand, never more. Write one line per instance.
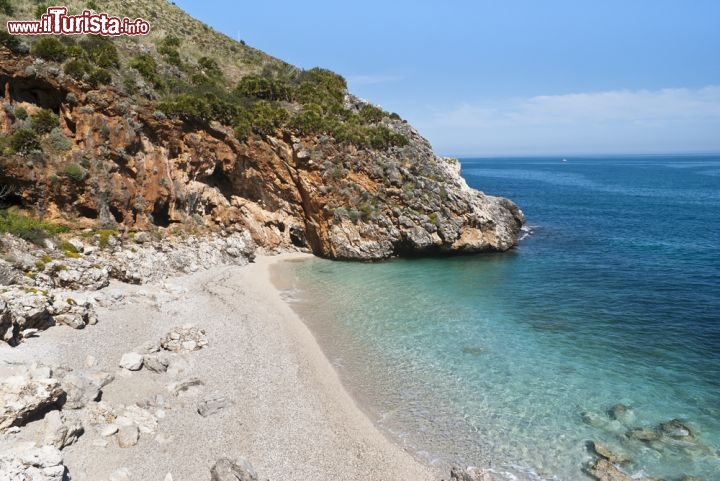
(27, 462)
(122, 474)
(59, 431)
(109, 430)
(81, 389)
(187, 387)
(145, 421)
(228, 470)
(213, 405)
(22, 398)
(186, 338)
(157, 363)
(132, 361)
(128, 436)
(90, 361)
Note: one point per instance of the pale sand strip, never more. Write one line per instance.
(291, 417)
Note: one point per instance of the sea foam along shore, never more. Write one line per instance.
(285, 409)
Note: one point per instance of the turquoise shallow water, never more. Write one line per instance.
(513, 360)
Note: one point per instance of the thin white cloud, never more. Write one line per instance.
(373, 79)
(612, 121)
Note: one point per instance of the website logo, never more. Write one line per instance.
(56, 21)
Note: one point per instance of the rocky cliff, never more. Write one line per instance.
(118, 161)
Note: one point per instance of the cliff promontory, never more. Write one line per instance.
(151, 134)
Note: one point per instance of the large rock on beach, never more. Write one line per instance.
(27, 462)
(22, 398)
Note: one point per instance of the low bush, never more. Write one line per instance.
(370, 114)
(6, 7)
(256, 86)
(21, 113)
(50, 48)
(147, 67)
(58, 140)
(44, 120)
(186, 107)
(74, 172)
(10, 42)
(101, 51)
(25, 141)
(28, 228)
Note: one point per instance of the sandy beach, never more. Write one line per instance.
(287, 411)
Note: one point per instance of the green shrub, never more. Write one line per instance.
(370, 114)
(100, 76)
(101, 51)
(171, 54)
(21, 113)
(322, 87)
(186, 107)
(210, 66)
(255, 86)
(77, 68)
(25, 141)
(74, 172)
(76, 52)
(104, 236)
(6, 8)
(50, 48)
(11, 42)
(41, 9)
(147, 67)
(58, 140)
(310, 121)
(171, 41)
(66, 246)
(44, 120)
(32, 230)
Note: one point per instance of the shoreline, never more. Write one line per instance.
(288, 413)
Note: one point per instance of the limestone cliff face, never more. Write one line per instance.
(143, 170)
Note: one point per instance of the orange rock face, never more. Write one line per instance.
(142, 170)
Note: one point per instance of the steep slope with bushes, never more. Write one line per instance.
(188, 130)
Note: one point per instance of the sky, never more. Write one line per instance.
(509, 77)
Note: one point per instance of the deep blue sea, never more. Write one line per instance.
(512, 361)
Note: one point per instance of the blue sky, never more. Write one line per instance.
(514, 76)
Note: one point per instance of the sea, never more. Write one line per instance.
(603, 320)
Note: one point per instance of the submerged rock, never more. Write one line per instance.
(603, 470)
(606, 452)
(676, 429)
(473, 473)
(643, 434)
(622, 413)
